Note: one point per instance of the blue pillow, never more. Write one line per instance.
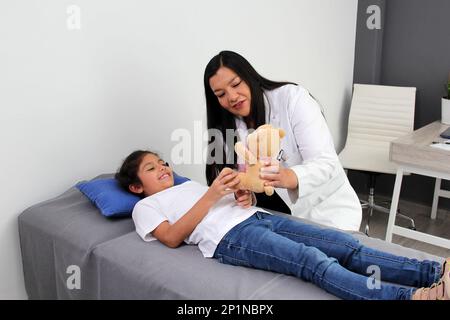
(110, 198)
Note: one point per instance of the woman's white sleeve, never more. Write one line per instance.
(315, 144)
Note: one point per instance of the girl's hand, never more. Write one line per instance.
(244, 198)
(278, 177)
(224, 184)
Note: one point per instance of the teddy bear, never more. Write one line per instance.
(263, 144)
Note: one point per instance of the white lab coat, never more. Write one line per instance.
(324, 194)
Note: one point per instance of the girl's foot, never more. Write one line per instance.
(437, 291)
(445, 267)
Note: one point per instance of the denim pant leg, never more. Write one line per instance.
(356, 257)
(254, 244)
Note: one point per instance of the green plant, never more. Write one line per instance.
(448, 87)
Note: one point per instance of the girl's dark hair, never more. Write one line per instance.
(128, 173)
(221, 119)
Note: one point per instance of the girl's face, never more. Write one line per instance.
(232, 92)
(154, 174)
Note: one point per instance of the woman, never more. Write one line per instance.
(309, 180)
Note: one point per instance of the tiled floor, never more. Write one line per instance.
(421, 215)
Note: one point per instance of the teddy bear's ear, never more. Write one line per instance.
(282, 133)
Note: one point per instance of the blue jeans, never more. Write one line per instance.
(333, 260)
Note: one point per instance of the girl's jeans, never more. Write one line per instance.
(333, 260)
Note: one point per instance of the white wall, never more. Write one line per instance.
(74, 103)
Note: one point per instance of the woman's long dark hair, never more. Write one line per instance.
(221, 119)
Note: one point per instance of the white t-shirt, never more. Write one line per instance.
(172, 203)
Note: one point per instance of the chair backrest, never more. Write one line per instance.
(380, 114)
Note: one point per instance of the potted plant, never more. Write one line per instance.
(445, 119)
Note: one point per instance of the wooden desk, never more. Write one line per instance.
(413, 154)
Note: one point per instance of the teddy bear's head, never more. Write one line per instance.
(264, 142)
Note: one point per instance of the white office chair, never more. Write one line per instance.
(378, 115)
(438, 192)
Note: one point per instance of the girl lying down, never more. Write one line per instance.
(235, 232)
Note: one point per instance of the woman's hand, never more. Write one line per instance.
(278, 177)
(224, 184)
(244, 198)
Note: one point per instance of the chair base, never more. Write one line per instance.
(371, 205)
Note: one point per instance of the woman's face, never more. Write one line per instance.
(232, 92)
